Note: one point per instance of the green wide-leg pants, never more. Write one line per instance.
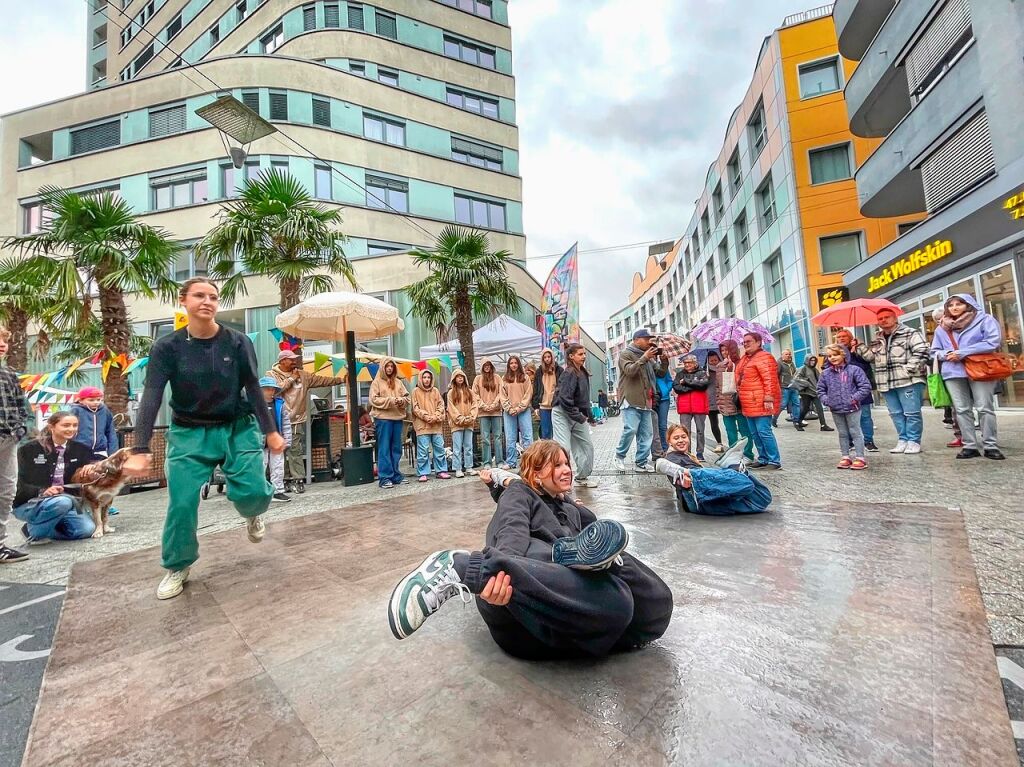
(192, 454)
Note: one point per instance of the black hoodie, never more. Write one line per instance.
(528, 522)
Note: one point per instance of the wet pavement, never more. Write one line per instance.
(825, 632)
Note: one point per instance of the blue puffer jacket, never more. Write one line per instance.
(96, 430)
(982, 335)
(842, 390)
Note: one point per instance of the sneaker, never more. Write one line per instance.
(444, 475)
(595, 548)
(968, 453)
(472, 472)
(255, 528)
(913, 448)
(644, 468)
(733, 457)
(423, 478)
(871, 446)
(581, 481)
(671, 470)
(846, 463)
(387, 484)
(858, 464)
(827, 428)
(757, 465)
(593, 482)
(300, 487)
(901, 447)
(9, 555)
(281, 498)
(955, 443)
(771, 467)
(112, 512)
(700, 457)
(619, 464)
(503, 465)
(798, 426)
(459, 474)
(172, 584)
(32, 541)
(718, 449)
(422, 592)
(995, 455)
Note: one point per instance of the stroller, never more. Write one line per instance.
(216, 478)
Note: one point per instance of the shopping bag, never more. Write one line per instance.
(938, 394)
(728, 382)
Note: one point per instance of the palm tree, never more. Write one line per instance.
(466, 279)
(94, 244)
(275, 229)
(22, 304)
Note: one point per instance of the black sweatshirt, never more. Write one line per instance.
(207, 376)
(36, 465)
(573, 393)
(526, 519)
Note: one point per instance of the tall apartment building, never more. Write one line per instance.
(939, 82)
(405, 102)
(777, 222)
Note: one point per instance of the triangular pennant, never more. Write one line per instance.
(277, 333)
(74, 366)
(106, 369)
(446, 360)
(373, 368)
(405, 369)
(462, 359)
(34, 381)
(421, 365)
(337, 365)
(121, 360)
(320, 360)
(435, 365)
(43, 408)
(97, 357)
(253, 335)
(359, 367)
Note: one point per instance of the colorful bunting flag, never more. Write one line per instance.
(373, 368)
(277, 334)
(435, 366)
(337, 365)
(97, 357)
(106, 369)
(405, 369)
(462, 359)
(446, 360)
(421, 365)
(320, 361)
(74, 366)
(253, 335)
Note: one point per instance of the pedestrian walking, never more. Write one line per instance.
(389, 404)
(728, 401)
(208, 365)
(757, 382)
(899, 356)
(790, 397)
(967, 330)
(428, 421)
(661, 403)
(841, 388)
(274, 462)
(462, 413)
(691, 387)
(516, 393)
(867, 425)
(806, 384)
(571, 416)
(637, 375)
(13, 415)
(711, 365)
(549, 579)
(487, 388)
(96, 428)
(545, 382)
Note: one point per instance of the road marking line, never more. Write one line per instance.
(1018, 730)
(10, 653)
(12, 608)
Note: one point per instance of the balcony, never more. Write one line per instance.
(857, 22)
(887, 183)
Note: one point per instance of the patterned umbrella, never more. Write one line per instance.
(730, 328)
(673, 345)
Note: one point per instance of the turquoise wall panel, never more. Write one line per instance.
(300, 108)
(514, 217)
(61, 144)
(347, 118)
(135, 191)
(503, 61)
(432, 200)
(425, 86)
(302, 169)
(506, 110)
(345, 191)
(510, 160)
(426, 138)
(135, 126)
(292, 23)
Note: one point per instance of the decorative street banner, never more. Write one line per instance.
(560, 305)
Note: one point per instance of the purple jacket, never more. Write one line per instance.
(842, 390)
(982, 335)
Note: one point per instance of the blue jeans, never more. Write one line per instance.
(735, 430)
(518, 428)
(389, 450)
(636, 422)
(663, 406)
(424, 443)
(760, 428)
(791, 403)
(55, 518)
(546, 430)
(462, 449)
(866, 424)
(490, 432)
(904, 405)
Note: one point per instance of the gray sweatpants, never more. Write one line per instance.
(967, 395)
(574, 437)
(694, 422)
(8, 480)
(848, 429)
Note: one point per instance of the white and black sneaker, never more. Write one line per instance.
(9, 555)
(596, 547)
(422, 592)
(281, 498)
(31, 540)
(671, 470)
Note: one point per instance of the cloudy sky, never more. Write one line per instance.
(621, 108)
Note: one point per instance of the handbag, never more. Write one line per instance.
(987, 366)
(728, 382)
(938, 394)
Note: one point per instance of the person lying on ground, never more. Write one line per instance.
(548, 582)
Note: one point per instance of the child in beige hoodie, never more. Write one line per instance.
(516, 393)
(462, 412)
(487, 388)
(428, 421)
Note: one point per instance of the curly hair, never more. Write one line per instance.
(536, 458)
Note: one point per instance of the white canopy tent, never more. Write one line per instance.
(499, 338)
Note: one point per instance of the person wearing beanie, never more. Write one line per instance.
(95, 422)
(279, 412)
(463, 409)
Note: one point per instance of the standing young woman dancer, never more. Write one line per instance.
(208, 366)
(516, 393)
(462, 412)
(487, 388)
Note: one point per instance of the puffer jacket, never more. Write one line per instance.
(757, 380)
(842, 389)
(900, 359)
(981, 336)
(691, 391)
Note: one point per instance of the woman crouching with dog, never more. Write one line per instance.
(46, 465)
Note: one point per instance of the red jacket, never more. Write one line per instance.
(757, 379)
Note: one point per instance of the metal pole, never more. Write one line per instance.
(353, 386)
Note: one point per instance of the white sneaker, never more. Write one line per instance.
(913, 448)
(255, 528)
(472, 472)
(460, 474)
(644, 468)
(172, 584)
(619, 464)
(593, 482)
(718, 449)
(901, 447)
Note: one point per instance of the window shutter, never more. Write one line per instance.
(355, 16)
(252, 100)
(166, 122)
(321, 112)
(964, 159)
(387, 26)
(309, 18)
(946, 28)
(96, 137)
(278, 106)
(332, 17)
(470, 147)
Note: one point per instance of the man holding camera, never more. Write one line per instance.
(640, 365)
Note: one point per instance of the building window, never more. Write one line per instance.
(388, 131)
(712, 276)
(480, 155)
(757, 129)
(488, 107)
(228, 180)
(734, 172)
(471, 53)
(278, 106)
(643, 314)
(938, 48)
(819, 78)
(730, 306)
(686, 258)
(705, 226)
(695, 242)
(717, 202)
(252, 100)
(273, 40)
(749, 298)
(724, 260)
(355, 16)
(830, 164)
(383, 248)
(166, 121)
(322, 112)
(661, 300)
(700, 290)
(35, 218)
(477, 212)
(742, 230)
(840, 253)
(357, 68)
(173, 28)
(479, 7)
(766, 203)
(773, 278)
(386, 193)
(387, 25)
(905, 227)
(387, 76)
(177, 191)
(96, 137)
(322, 182)
(308, 18)
(240, 10)
(628, 324)
(214, 35)
(965, 159)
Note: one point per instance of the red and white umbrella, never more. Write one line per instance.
(859, 311)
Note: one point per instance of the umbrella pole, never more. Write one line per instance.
(353, 387)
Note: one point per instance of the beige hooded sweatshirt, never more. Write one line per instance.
(427, 407)
(295, 391)
(388, 398)
(489, 401)
(515, 395)
(462, 415)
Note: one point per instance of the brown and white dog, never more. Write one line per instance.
(101, 482)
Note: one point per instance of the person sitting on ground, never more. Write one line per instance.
(44, 500)
(279, 412)
(720, 490)
(841, 388)
(549, 582)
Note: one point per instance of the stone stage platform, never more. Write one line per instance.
(839, 634)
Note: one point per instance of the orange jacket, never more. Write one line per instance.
(757, 379)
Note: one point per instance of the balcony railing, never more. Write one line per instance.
(804, 16)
